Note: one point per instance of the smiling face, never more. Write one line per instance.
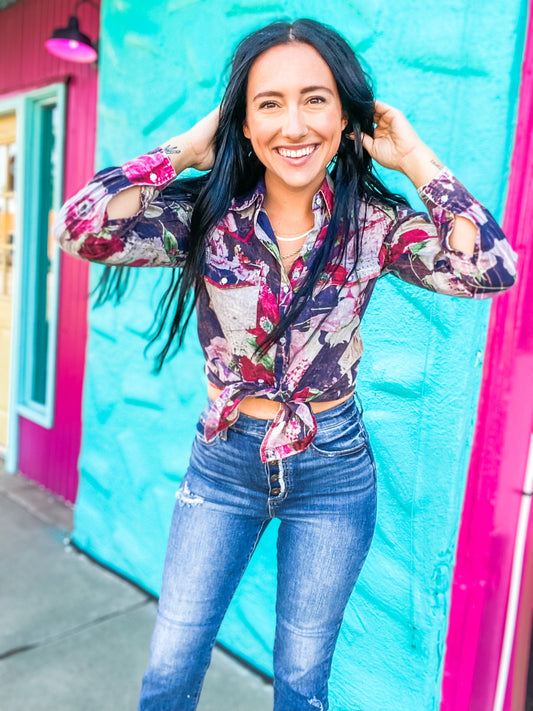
(294, 116)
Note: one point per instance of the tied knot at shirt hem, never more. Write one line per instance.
(292, 430)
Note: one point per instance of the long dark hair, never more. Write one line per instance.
(236, 171)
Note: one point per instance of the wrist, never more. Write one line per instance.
(420, 165)
(179, 153)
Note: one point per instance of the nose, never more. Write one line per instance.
(294, 124)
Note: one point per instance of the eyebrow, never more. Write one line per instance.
(306, 90)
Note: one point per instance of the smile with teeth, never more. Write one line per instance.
(288, 153)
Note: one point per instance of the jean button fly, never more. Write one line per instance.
(274, 477)
(275, 491)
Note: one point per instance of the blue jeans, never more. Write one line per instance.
(325, 498)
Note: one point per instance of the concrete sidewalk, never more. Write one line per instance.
(73, 635)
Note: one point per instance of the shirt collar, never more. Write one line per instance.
(256, 196)
(322, 199)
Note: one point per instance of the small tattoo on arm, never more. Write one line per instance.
(436, 163)
(171, 150)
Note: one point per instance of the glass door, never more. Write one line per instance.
(8, 149)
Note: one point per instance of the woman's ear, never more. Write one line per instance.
(344, 120)
(245, 130)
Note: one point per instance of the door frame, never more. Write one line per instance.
(22, 105)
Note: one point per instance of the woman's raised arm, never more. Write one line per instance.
(192, 149)
(459, 249)
(396, 145)
(123, 217)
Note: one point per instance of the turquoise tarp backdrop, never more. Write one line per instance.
(453, 68)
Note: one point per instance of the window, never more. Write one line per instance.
(39, 255)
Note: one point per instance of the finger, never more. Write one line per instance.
(367, 141)
(381, 109)
(381, 106)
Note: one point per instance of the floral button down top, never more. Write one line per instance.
(248, 288)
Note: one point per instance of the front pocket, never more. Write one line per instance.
(342, 440)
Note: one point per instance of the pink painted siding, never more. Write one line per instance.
(499, 456)
(50, 456)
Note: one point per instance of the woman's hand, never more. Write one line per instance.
(394, 137)
(396, 145)
(195, 147)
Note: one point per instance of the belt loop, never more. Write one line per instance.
(224, 435)
(360, 408)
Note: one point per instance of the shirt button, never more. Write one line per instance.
(260, 380)
(283, 340)
(286, 288)
(223, 280)
(153, 177)
(84, 208)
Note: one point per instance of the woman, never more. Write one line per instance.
(281, 242)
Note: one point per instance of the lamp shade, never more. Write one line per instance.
(69, 43)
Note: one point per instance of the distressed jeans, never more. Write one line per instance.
(325, 498)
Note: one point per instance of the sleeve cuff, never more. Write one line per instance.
(153, 169)
(428, 187)
(445, 192)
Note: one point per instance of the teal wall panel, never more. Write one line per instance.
(163, 66)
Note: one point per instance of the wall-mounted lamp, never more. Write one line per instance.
(71, 44)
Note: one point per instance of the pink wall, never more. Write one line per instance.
(50, 456)
(499, 455)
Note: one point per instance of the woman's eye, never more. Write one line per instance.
(267, 105)
(317, 100)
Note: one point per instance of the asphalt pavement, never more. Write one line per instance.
(74, 636)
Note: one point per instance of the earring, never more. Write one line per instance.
(248, 147)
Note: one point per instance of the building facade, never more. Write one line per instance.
(446, 383)
(47, 135)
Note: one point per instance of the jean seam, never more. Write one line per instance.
(248, 433)
(338, 452)
(355, 415)
(203, 441)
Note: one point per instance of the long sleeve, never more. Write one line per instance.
(156, 236)
(417, 250)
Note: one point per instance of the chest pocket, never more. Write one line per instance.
(234, 295)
